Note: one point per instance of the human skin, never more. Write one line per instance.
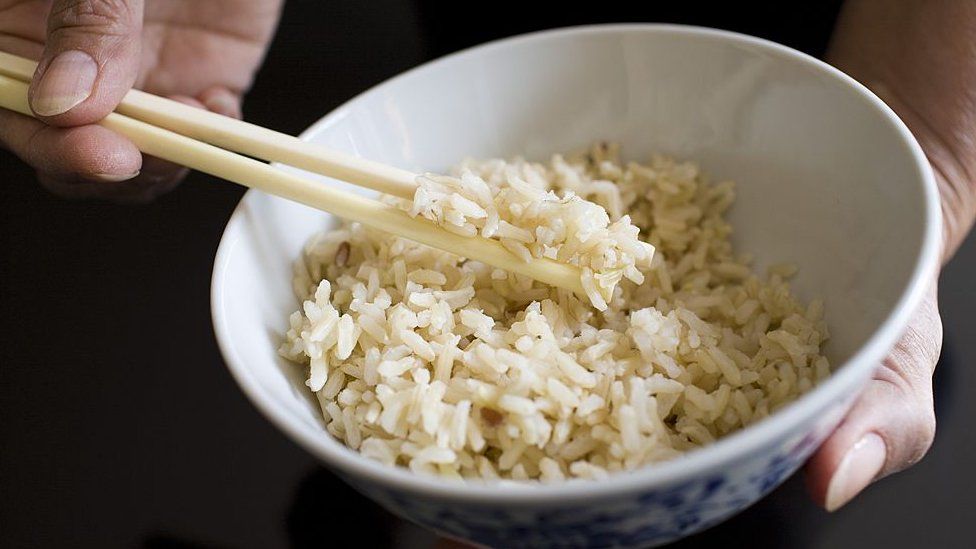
(917, 55)
(202, 53)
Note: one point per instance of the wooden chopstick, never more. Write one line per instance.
(168, 145)
(242, 137)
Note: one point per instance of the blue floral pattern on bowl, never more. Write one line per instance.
(642, 519)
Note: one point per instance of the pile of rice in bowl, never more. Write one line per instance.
(423, 359)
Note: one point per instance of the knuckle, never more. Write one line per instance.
(914, 357)
(916, 433)
(107, 17)
(906, 422)
(923, 430)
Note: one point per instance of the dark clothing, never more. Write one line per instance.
(451, 25)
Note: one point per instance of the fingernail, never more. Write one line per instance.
(860, 466)
(67, 81)
(222, 104)
(114, 178)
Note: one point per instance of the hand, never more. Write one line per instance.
(202, 53)
(892, 424)
(915, 55)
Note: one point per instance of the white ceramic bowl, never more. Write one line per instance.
(828, 177)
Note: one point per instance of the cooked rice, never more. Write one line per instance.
(518, 204)
(447, 366)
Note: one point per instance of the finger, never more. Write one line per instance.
(156, 177)
(84, 162)
(885, 432)
(187, 100)
(164, 175)
(221, 100)
(892, 424)
(139, 190)
(85, 153)
(160, 176)
(91, 59)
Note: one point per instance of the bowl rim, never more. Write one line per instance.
(853, 373)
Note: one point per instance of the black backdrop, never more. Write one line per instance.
(120, 427)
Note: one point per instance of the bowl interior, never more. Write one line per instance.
(825, 178)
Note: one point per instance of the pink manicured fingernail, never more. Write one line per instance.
(860, 466)
(67, 82)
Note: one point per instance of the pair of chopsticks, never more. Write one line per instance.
(215, 144)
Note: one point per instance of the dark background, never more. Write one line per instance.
(120, 426)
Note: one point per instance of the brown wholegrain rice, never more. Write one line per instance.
(426, 360)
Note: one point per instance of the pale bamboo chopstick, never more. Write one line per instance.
(227, 165)
(238, 136)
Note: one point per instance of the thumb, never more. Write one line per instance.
(91, 59)
(892, 424)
